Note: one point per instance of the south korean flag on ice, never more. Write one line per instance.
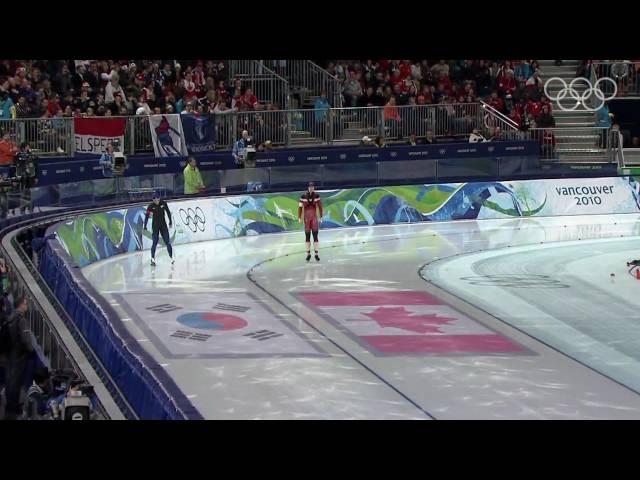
(197, 325)
(407, 322)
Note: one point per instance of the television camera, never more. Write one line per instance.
(250, 154)
(119, 158)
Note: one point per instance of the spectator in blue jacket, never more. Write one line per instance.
(239, 150)
(603, 118)
(35, 406)
(523, 71)
(7, 110)
(106, 162)
(321, 106)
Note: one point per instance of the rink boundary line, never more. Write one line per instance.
(471, 306)
(251, 279)
(333, 342)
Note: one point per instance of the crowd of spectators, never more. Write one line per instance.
(513, 87)
(66, 88)
(28, 389)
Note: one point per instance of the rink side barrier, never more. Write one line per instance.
(97, 236)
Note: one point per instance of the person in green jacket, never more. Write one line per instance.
(192, 178)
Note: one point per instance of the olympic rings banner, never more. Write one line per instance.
(591, 91)
(90, 238)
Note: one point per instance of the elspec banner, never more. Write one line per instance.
(93, 134)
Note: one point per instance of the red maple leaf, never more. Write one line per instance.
(398, 317)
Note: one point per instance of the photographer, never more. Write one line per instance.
(27, 172)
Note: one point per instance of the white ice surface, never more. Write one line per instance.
(591, 320)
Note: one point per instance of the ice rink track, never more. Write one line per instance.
(489, 319)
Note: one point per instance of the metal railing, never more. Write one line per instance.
(45, 336)
(493, 119)
(617, 150)
(310, 127)
(47, 340)
(625, 74)
(46, 136)
(267, 85)
(575, 144)
(308, 80)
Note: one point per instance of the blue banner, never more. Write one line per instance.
(65, 169)
(199, 132)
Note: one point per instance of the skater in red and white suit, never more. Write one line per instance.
(309, 202)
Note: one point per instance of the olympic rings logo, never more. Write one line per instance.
(194, 220)
(580, 99)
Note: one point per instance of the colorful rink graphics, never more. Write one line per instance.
(543, 382)
(89, 238)
(227, 324)
(407, 322)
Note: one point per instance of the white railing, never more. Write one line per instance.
(575, 144)
(308, 80)
(284, 128)
(493, 119)
(47, 136)
(267, 85)
(625, 74)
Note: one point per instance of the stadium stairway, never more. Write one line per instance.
(575, 138)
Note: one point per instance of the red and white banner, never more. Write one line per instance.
(93, 134)
(405, 322)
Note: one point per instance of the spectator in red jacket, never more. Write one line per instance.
(396, 78)
(8, 150)
(446, 81)
(190, 89)
(534, 108)
(392, 117)
(405, 69)
(507, 83)
(54, 105)
(545, 102)
(515, 116)
(249, 99)
(496, 102)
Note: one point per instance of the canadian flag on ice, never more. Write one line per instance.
(399, 322)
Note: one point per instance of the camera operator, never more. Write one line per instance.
(27, 173)
(106, 161)
(239, 150)
(244, 154)
(78, 402)
(114, 164)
